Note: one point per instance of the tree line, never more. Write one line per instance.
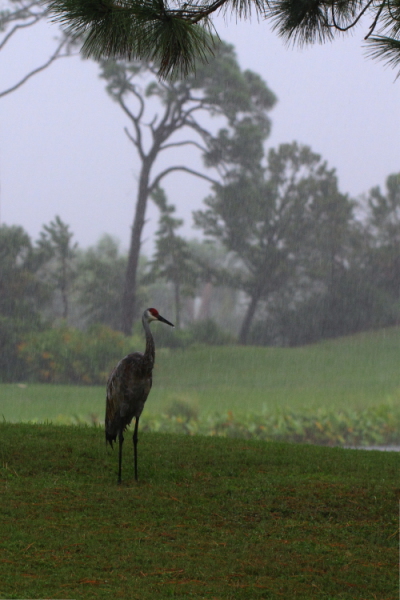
(295, 263)
(286, 257)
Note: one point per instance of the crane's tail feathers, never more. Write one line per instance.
(110, 439)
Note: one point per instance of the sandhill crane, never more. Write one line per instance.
(128, 387)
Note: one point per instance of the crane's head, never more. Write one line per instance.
(152, 314)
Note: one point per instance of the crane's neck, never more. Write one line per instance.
(149, 353)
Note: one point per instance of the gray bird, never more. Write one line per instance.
(128, 387)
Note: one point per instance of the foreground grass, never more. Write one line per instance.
(209, 518)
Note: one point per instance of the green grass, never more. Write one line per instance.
(209, 518)
(354, 373)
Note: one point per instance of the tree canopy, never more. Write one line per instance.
(291, 222)
(165, 115)
(177, 34)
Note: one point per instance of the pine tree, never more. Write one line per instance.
(176, 35)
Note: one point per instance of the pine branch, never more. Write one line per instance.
(144, 29)
(387, 49)
(176, 38)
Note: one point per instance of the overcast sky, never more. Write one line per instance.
(63, 150)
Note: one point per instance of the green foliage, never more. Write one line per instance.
(377, 426)
(144, 30)
(199, 332)
(177, 35)
(219, 89)
(22, 295)
(303, 21)
(350, 374)
(278, 221)
(101, 272)
(67, 355)
(209, 518)
(208, 332)
(384, 212)
(352, 305)
(172, 259)
(383, 226)
(21, 292)
(59, 253)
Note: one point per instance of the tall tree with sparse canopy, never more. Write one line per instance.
(165, 115)
(176, 34)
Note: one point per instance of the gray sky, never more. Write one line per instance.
(63, 150)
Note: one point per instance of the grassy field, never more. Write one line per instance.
(357, 372)
(209, 518)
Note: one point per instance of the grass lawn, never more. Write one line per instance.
(209, 518)
(356, 372)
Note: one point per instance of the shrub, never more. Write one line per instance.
(208, 332)
(199, 332)
(68, 355)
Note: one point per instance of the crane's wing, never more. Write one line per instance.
(127, 389)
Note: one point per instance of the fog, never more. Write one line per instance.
(63, 149)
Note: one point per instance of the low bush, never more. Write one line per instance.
(199, 332)
(378, 426)
(68, 355)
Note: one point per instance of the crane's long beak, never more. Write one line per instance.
(160, 318)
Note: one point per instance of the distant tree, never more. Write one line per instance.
(100, 281)
(18, 15)
(172, 259)
(22, 296)
(273, 220)
(177, 34)
(56, 245)
(350, 276)
(159, 111)
(383, 224)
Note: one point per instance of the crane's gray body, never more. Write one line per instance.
(127, 389)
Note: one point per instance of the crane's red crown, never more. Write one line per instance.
(154, 312)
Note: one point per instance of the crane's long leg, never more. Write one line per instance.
(135, 441)
(121, 441)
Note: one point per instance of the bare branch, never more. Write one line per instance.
(25, 13)
(166, 172)
(15, 29)
(152, 123)
(194, 15)
(378, 14)
(192, 143)
(44, 66)
(136, 123)
(130, 136)
(134, 91)
(336, 26)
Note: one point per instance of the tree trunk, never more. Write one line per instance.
(205, 306)
(248, 319)
(64, 289)
(130, 290)
(177, 289)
